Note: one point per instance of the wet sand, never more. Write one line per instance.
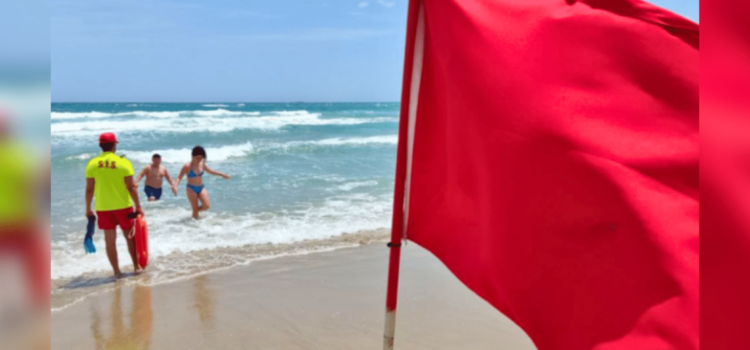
(330, 300)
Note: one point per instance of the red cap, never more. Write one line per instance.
(107, 137)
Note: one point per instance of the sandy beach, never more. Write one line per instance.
(329, 300)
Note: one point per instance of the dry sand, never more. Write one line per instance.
(331, 300)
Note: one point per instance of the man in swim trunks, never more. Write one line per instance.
(155, 174)
(109, 179)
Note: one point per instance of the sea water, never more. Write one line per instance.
(303, 175)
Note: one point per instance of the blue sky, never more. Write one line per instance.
(233, 50)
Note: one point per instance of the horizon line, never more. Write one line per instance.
(226, 102)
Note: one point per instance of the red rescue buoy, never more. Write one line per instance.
(141, 241)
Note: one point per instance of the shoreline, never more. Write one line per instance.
(325, 300)
(69, 291)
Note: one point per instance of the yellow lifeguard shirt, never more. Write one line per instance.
(109, 172)
(16, 184)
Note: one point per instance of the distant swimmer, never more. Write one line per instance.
(155, 174)
(196, 192)
(109, 180)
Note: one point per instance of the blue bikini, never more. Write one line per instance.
(196, 189)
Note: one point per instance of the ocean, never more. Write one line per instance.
(306, 177)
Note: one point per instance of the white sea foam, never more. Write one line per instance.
(183, 155)
(352, 185)
(77, 115)
(217, 113)
(384, 139)
(338, 141)
(207, 123)
(171, 230)
(149, 114)
(84, 156)
(290, 113)
(223, 153)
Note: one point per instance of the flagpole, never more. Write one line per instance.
(403, 160)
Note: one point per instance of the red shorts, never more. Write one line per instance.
(108, 220)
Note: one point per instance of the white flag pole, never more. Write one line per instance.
(409, 100)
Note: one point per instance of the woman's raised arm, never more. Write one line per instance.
(216, 173)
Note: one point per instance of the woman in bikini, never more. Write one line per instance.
(195, 189)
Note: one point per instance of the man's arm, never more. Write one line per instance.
(169, 177)
(143, 173)
(183, 172)
(171, 183)
(133, 189)
(90, 185)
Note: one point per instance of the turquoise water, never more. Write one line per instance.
(300, 171)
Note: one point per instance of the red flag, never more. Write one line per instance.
(725, 175)
(552, 164)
